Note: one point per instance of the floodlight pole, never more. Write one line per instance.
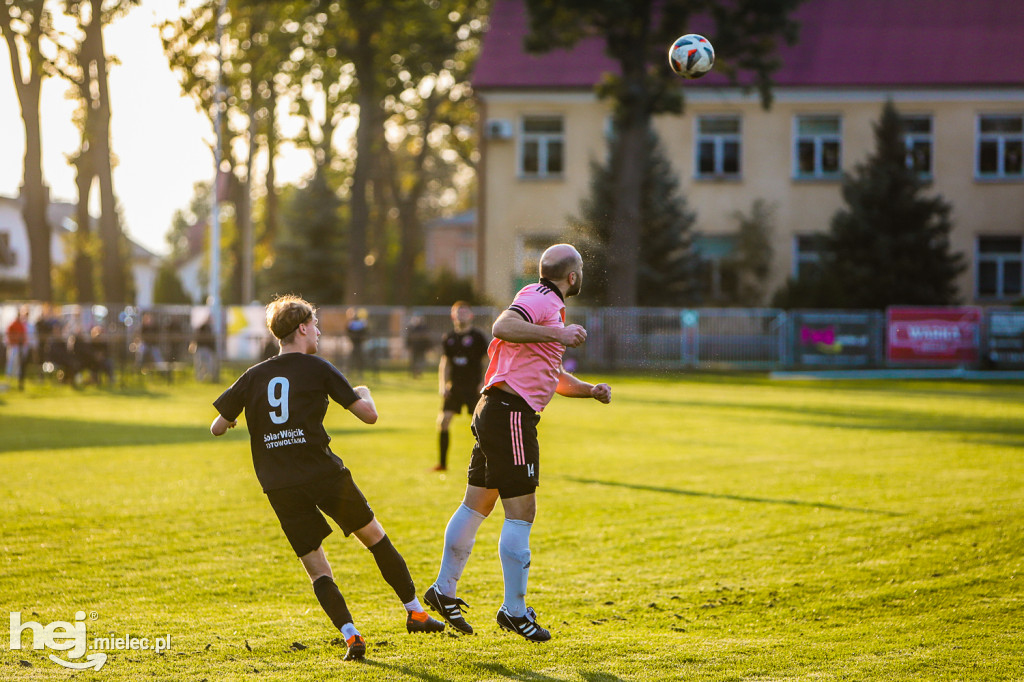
(215, 305)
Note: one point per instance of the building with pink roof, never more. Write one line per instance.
(955, 72)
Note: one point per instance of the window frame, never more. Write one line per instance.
(718, 140)
(928, 138)
(1000, 259)
(819, 141)
(544, 141)
(805, 258)
(1000, 139)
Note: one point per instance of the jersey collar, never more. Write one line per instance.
(551, 285)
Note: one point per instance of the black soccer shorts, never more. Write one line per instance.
(459, 398)
(301, 509)
(506, 455)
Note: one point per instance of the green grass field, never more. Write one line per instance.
(698, 528)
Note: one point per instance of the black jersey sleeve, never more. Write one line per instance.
(232, 401)
(339, 388)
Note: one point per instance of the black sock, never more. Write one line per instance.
(443, 438)
(392, 567)
(329, 596)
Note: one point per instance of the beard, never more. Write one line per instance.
(574, 289)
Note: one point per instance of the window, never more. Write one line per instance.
(1001, 147)
(718, 146)
(999, 267)
(917, 135)
(818, 147)
(807, 250)
(542, 147)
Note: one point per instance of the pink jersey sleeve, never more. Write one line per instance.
(530, 369)
(537, 307)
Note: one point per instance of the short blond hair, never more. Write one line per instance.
(285, 314)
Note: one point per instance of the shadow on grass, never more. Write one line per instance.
(57, 433)
(889, 418)
(735, 498)
(492, 670)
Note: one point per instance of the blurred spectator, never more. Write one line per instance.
(47, 334)
(96, 357)
(204, 350)
(17, 347)
(417, 340)
(147, 344)
(357, 330)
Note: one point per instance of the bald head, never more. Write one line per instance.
(558, 261)
(562, 264)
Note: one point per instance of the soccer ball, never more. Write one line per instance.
(691, 56)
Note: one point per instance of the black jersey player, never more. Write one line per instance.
(460, 373)
(285, 399)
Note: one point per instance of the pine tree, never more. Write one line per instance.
(667, 264)
(310, 258)
(890, 245)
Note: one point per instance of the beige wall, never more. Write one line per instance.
(513, 207)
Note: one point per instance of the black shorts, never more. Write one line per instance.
(299, 508)
(457, 398)
(506, 455)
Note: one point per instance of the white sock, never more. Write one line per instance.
(348, 630)
(459, 536)
(414, 605)
(514, 549)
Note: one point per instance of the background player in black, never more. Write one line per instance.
(460, 373)
(285, 399)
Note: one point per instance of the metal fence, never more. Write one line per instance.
(618, 338)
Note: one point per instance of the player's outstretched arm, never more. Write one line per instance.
(363, 409)
(512, 328)
(221, 425)
(572, 387)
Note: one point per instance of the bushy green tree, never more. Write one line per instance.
(310, 248)
(890, 245)
(666, 264)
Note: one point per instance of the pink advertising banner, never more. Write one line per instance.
(949, 336)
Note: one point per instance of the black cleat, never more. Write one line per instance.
(419, 621)
(527, 625)
(356, 648)
(450, 609)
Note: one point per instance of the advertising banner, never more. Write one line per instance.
(1006, 338)
(830, 338)
(933, 336)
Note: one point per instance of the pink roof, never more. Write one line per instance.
(872, 43)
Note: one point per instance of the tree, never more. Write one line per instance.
(259, 39)
(85, 64)
(890, 245)
(25, 24)
(310, 248)
(666, 264)
(637, 33)
(751, 264)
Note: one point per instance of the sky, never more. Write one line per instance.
(161, 141)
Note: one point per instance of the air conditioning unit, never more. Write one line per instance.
(498, 129)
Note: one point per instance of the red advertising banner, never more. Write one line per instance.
(939, 336)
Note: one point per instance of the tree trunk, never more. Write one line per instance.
(633, 122)
(34, 193)
(364, 61)
(85, 285)
(114, 269)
